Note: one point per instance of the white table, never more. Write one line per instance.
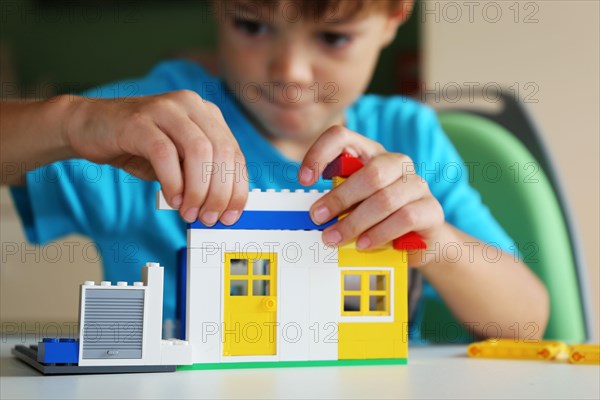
(432, 372)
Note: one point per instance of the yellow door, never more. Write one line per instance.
(250, 313)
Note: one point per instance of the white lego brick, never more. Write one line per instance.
(322, 256)
(175, 352)
(161, 202)
(204, 296)
(305, 249)
(294, 249)
(324, 299)
(293, 245)
(238, 359)
(153, 278)
(293, 314)
(281, 201)
(82, 298)
(247, 240)
(106, 285)
(88, 362)
(269, 200)
(211, 257)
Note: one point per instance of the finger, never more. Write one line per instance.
(375, 209)
(374, 176)
(239, 194)
(197, 166)
(138, 167)
(209, 118)
(157, 148)
(228, 190)
(221, 182)
(418, 216)
(333, 142)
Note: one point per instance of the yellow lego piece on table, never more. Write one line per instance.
(585, 354)
(511, 349)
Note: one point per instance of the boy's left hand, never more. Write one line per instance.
(385, 199)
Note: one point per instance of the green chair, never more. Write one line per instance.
(522, 198)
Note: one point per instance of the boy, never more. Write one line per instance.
(297, 71)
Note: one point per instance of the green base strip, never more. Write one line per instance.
(288, 364)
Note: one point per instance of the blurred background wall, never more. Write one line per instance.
(58, 46)
(546, 51)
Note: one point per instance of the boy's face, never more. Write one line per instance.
(296, 76)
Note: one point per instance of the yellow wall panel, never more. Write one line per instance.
(358, 340)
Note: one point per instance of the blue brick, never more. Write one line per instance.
(180, 307)
(269, 220)
(58, 351)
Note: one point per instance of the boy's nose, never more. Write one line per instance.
(291, 65)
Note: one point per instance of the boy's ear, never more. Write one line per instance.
(397, 18)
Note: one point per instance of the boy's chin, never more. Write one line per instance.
(292, 132)
(293, 125)
(288, 134)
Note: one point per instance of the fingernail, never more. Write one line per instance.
(191, 215)
(176, 201)
(332, 237)
(209, 218)
(321, 214)
(306, 175)
(229, 217)
(363, 243)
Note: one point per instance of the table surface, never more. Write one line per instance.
(432, 372)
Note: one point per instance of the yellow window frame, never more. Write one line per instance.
(250, 277)
(365, 292)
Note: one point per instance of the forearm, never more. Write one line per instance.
(32, 134)
(487, 289)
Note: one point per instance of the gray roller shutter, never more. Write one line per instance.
(113, 323)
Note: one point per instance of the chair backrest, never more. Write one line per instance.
(522, 199)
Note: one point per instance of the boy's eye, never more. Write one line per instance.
(250, 27)
(333, 39)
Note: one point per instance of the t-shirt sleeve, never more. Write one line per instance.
(440, 164)
(76, 197)
(47, 204)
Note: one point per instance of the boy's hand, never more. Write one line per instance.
(385, 199)
(178, 138)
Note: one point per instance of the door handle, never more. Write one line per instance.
(269, 303)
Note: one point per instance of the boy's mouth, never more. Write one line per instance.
(281, 102)
(288, 106)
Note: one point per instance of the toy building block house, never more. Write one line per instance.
(262, 292)
(266, 291)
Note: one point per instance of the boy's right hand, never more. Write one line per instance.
(177, 138)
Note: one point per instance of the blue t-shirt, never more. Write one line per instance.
(117, 211)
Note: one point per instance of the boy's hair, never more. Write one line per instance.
(337, 8)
